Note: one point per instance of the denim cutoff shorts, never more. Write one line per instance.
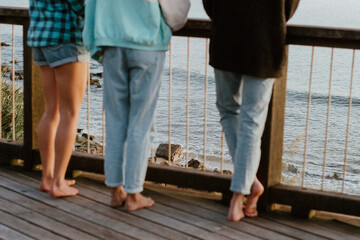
(58, 55)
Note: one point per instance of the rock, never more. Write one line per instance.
(227, 172)
(292, 168)
(216, 170)
(5, 68)
(164, 162)
(195, 164)
(4, 44)
(152, 160)
(99, 75)
(15, 61)
(82, 143)
(19, 75)
(163, 152)
(91, 137)
(96, 82)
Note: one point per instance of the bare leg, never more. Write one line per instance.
(135, 201)
(251, 202)
(70, 83)
(47, 127)
(118, 196)
(236, 212)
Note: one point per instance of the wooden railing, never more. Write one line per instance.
(302, 200)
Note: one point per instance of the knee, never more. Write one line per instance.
(51, 115)
(69, 114)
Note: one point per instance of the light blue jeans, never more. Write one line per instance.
(132, 81)
(243, 103)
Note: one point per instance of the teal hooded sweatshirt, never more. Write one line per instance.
(134, 24)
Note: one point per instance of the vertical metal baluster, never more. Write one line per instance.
(13, 83)
(88, 107)
(103, 129)
(187, 103)
(205, 100)
(0, 89)
(327, 119)
(348, 121)
(169, 129)
(307, 118)
(222, 152)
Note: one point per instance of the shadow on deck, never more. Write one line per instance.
(27, 213)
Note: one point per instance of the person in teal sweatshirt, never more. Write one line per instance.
(130, 39)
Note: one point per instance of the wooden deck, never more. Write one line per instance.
(27, 213)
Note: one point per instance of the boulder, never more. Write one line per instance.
(195, 163)
(5, 68)
(163, 152)
(91, 137)
(227, 172)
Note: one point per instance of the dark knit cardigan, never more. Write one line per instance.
(248, 36)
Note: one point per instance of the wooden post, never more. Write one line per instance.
(269, 172)
(28, 129)
(37, 102)
(33, 105)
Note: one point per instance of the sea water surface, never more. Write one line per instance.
(328, 13)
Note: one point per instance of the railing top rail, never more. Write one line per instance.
(14, 15)
(323, 36)
(296, 34)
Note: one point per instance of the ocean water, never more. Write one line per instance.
(329, 13)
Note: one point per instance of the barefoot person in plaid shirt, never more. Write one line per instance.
(55, 33)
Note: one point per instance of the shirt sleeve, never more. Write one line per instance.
(77, 6)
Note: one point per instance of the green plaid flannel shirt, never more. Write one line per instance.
(53, 22)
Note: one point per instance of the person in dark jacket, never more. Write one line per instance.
(247, 51)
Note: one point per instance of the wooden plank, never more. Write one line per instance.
(40, 220)
(147, 224)
(188, 207)
(188, 178)
(200, 222)
(310, 226)
(26, 227)
(8, 233)
(86, 200)
(149, 215)
(323, 36)
(259, 221)
(66, 218)
(314, 199)
(10, 150)
(22, 186)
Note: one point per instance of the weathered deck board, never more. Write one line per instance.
(57, 214)
(27, 213)
(8, 233)
(181, 208)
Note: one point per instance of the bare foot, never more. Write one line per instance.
(137, 201)
(62, 190)
(118, 196)
(251, 202)
(236, 212)
(45, 186)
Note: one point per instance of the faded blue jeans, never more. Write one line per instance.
(243, 103)
(132, 81)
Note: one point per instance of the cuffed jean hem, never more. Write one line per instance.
(134, 190)
(244, 192)
(114, 184)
